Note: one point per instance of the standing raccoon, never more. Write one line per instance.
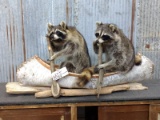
(68, 42)
(118, 50)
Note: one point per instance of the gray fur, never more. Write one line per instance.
(120, 55)
(71, 44)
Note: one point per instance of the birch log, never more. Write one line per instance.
(35, 72)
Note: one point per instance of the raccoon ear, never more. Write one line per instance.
(98, 23)
(63, 25)
(50, 26)
(113, 28)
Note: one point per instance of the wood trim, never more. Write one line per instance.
(80, 104)
(133, 18)
(74, 112)
(118, 108)
(154, 110)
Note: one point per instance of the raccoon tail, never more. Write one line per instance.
(138, 59)
(85, 76)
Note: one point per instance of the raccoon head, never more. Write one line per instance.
(106, 33)
(57, 33)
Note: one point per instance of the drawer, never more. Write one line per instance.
(123, 112)
(56, 113)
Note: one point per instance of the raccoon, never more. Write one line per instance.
(68, 42)
(118, 50)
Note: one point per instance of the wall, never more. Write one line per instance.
(147, 31)
(23, 25)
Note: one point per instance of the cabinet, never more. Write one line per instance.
(117, 106)
(138, 110)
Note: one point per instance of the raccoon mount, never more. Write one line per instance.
(35, 72)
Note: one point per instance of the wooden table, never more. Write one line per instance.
(125, 105)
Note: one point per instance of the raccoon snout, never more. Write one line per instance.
(100, 41)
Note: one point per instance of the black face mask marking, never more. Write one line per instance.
(57, 36)
(106, 37)
(97, 35)
(60, 34)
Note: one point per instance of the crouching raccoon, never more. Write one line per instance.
(67, 41)
(118, 50)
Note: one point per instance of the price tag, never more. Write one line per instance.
(60, 73)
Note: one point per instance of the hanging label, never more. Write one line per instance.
(60, 73)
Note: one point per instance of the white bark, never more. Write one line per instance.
(34, 72)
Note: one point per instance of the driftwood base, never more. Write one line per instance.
(42, 92)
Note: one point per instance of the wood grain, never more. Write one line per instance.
(36, 114)
(126, 112)
(41, 92)
(74, 112)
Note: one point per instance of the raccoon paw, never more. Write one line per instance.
(96, 70)
(100, 66)
(52, 58)
(95, 46)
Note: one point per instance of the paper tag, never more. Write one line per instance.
(60, 73)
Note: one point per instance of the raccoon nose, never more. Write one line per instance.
(55, 36)
(100, 40)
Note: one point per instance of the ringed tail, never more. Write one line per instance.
(85, 76)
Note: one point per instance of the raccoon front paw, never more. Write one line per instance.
(97, 68)
(95, 46)
(52, 58)
(100, 66)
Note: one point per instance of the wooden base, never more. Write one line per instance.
(41, 92)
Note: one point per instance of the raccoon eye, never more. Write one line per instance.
(106, 37)
(97, 34)
(60, 34)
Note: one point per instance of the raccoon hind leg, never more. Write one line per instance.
(70, 67)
